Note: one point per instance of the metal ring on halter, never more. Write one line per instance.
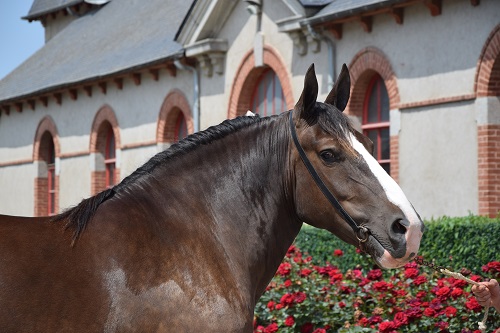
(362, 234)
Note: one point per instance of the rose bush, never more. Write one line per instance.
(307, 298)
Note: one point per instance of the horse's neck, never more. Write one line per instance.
(241, 185)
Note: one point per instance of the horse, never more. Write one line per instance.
(189, 241)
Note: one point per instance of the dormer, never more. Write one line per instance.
(55, 15)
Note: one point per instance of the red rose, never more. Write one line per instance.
(473, 305)
(338, 253)
(456, 292)
(419, 280)
(289, 321)
(271, 328)
(287, 283)
(319, 330)
(450, 311)
(386, 326)
(305, 272)
(342, 305)
(299, 297)
(380, 286)
(374, 274)
(400, 319)
(429, 312)
(284, 269)
(270, 305)
(443, 292)
(287, 299)
(411, 273)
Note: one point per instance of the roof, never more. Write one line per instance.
(42, 7)
(314, 3)
(342, 8)
(121, 36)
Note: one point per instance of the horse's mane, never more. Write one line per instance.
(78, 217)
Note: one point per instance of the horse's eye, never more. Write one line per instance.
(327, 156)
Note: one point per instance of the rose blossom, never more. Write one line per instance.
(289, 321)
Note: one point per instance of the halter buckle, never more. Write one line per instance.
(362, 234)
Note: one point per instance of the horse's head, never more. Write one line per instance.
(341, 157)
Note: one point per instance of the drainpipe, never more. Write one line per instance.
(331, 53)
(196, 92)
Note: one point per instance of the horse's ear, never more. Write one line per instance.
(309, 93)
(339, 96)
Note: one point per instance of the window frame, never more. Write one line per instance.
(375, 83)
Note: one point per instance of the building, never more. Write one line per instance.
(118, 81)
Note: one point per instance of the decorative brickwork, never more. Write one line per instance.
(488, 69)
(247, 76)
(174, 103)
(488, 84)
(489, 169)
(363, 67)
(45, 133)
(104, 119)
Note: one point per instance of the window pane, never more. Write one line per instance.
(384, 102)
(268, 95)
(181, 127)
(373, 105)
(385, 144)
(269, 99)
(110, 147)
(279, 103)
(373, 135)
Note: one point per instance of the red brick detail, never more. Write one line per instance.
(364, 65)
(487, 81)
(104, 119)
(45, 125)
(174, 103)
(103, 116)
(489, 169)
(394, 151)
(45, 128)
(247, 76)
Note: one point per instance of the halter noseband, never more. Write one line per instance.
(362, 233)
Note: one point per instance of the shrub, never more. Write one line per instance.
(459, 242)
(309, 298)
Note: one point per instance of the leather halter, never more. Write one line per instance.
(362, 233)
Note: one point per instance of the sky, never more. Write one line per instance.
(19, 39)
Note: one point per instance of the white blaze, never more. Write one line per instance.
(398, 198)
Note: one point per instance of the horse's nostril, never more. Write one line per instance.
(399, 226)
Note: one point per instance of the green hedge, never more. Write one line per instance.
(458, 242)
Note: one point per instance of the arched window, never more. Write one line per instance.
(268, 96)
(110, 158)
(45, 157)
(376, 120)
(51, 176)
(181, 130)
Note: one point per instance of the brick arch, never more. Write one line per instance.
(487, 83)
(104, 114)
(364, 65)
(103, 119)
(487, 80)
(45, 125)
(41, 181)
(247, 76)
(174, 103)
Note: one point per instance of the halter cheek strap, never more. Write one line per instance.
(362, 233)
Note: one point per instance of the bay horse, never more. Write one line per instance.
(189, 241)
